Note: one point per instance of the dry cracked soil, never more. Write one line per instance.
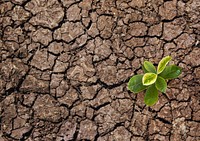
(65, 64)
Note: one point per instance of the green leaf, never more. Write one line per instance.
(149, 67)
(151, 96)
(161, 84)
(149, 78)
(171, 72)
(163, 63)
(144, 70)
(135, 84)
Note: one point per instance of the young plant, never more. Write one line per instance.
(153, 80)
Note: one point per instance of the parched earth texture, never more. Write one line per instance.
(65, 64)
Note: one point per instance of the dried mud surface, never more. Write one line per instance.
(65, 64)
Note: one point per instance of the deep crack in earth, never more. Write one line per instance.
(65, 64)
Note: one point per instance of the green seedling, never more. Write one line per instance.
(153, 80)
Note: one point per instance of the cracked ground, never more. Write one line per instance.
(65, 64)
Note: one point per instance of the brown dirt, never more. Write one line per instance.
(65, 64)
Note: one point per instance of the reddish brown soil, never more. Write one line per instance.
(65, 64)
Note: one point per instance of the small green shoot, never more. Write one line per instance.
(154, 80)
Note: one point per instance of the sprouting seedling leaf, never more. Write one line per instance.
(151, 96)
(144, 70)
(171, 72)
(149, 67)
(153, 81)
(163, 63)
(161, 84)
(149, 78)
(135, 84)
